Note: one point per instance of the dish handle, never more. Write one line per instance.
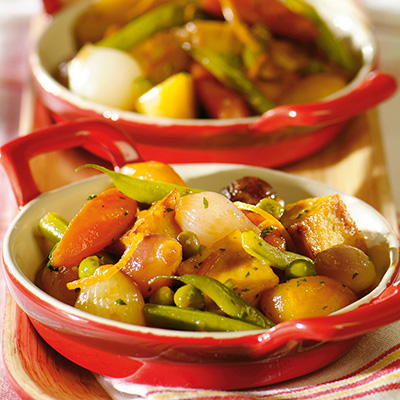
(15, 155)
(375, 88)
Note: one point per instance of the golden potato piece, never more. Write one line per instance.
(310, 296)
(227, 262)
(319, 223)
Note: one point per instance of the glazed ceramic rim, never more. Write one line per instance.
(188, 172)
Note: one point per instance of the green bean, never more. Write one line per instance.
(144, 26)
(332, 46)
(226, 299)
(53, 226)
(164, 295)
(188, 296)
(87, 266)
(300, 268)
(233, 77)
(194, 320)
(141, 190)
(271, 206)
(262, 250)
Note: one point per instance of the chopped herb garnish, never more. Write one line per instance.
(265, 232)
(205, 202)
(302, 213)
(355, 275)
(120, 302)
(92, 196)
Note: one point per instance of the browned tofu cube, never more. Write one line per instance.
(319, 223)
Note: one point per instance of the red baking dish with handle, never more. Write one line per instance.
(145, 355)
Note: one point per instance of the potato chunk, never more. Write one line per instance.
(319, 223)
(311, 296)
(227, 262)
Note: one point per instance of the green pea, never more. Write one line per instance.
(300, 268)
(188, 296)
(164, 295)
(190, 243)
(87, 266)
(53, 226)
(271, 206)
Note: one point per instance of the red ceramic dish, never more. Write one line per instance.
(282, 135)
(167, 357)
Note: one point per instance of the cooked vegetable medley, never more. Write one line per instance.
(158, 253)
(205, 58)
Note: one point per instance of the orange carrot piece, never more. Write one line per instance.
(219, 101)
(275, 15)
(101, 221)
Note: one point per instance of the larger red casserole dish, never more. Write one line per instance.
(282, 135)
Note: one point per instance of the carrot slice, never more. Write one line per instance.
(275, 15)
(219, 101)
(99, 223)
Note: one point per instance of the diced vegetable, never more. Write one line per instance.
(320, 223)
(211, 216)
(273, 13)
(227, 262)
(305, 297)
(101, 221)
(219, 101)
(116, 298)
(172, 98)
(140, 28)
(233, 77)
(153, 171)
(92, 75)
(347, 264)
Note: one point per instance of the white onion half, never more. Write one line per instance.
(211, 216)
(104, 75)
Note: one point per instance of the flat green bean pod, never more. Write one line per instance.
(333, 46)
(226, 299)
(193, 320)
(142, 27)
(141, 190)
(264, 251)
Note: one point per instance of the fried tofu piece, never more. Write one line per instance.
(319, 223)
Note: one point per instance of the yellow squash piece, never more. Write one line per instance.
(173, 98)
(227, 262)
